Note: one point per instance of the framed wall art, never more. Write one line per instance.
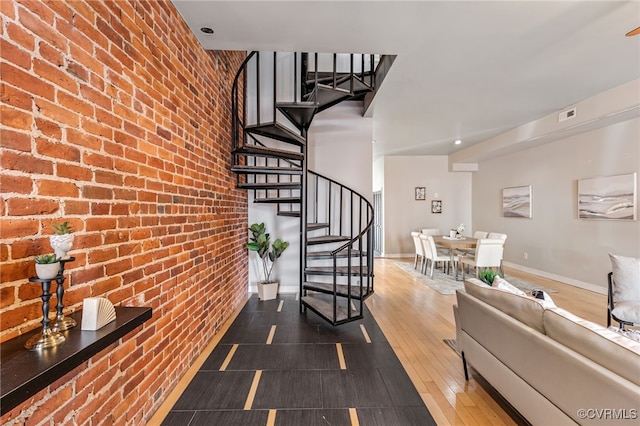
(436, 206)
(421, 193)
(516, 201)
(608, 198)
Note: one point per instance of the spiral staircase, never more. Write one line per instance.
(275, 97)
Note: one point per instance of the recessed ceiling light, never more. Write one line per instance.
(457, 141)
(206, 30)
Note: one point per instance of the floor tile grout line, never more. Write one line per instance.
(272, 332)
(271, 420)
(365, 334)
(227, 360)
(353, 415)
(253, 390)
(343, 365)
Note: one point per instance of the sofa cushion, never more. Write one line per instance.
(609, 349)
(626, 277)
(523, 308)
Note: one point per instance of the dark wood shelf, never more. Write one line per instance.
(25, 372)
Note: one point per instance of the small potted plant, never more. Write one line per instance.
(269, 253)
(47, 266)
(62, 239)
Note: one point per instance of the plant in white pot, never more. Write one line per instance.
(47, 266)
(62, 239)
(269, 253)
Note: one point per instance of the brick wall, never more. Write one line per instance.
(115, 119)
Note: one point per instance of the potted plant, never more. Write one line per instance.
(488, 275)
(47, 266)
(269, 253)
(62, 239)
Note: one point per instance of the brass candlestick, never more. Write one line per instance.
(47, 337)
(62, 323)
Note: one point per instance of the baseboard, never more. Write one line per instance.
(565, 280)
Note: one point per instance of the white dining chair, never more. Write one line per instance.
(426, 247)
(431, 231)
(436, 257)
(419, 250)
(499, 236)
(488, 255)
(478, 235)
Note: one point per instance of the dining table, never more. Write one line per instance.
(453, 244)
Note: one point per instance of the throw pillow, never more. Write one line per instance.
(501, 283)
(626, 277)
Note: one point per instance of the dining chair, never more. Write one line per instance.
(426, 247)
(431, 231)
(419, 250)
(478, 235)
(435, 257)
(500, 236)
(488, 255)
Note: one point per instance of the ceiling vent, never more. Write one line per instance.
(567, 115)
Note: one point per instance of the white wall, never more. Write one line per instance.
(339, 147)
(558, 243)
(403, 214)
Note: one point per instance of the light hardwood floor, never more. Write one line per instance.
(415, 319)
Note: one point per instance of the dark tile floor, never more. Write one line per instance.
(303, 371)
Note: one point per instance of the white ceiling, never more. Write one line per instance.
(465, 69)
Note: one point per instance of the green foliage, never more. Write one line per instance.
(62, 228)
(46, 259)
(488, 275)
(268, 252)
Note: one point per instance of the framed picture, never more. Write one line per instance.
(610, 198)
(421, 193)
(436, 206)
(516, 201)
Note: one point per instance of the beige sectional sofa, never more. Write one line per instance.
(553, 367)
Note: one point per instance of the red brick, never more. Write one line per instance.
(76, 207)
(98, 160)
(18, 140)
(48, 33)
(20, 314)
(97, 192)
(80, 138)
(31, 207)
(57, 150)
(7, 296)
(20, 36)
(57, 113)
(16, 97)
(15, 184)
(100, 224)
(78, 71)
(55, 75)
(15, 118)
(27, 82)
(56, 188)
(15, 54)
(74, 103)
(25, 163)
(101, 288)
(87, 275)
(52, 55)
(29, 247)
(74, 172)
(49, 128)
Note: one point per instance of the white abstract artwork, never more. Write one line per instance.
(516, 201)
(611, 197)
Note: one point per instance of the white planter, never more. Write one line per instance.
(61, 244)
(47, 271)
(268, 290)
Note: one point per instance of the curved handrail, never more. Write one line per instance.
(369, 206)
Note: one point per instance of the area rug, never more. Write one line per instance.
(446, 284)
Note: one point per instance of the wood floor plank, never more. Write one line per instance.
(415, 319)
